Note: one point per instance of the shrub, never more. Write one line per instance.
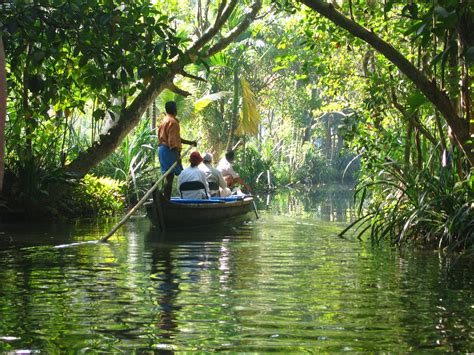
(253, 167)
(98, 196)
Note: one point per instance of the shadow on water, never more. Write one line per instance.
(53, 233)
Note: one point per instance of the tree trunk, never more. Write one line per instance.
(328, 143)
(407, 153)
(109, 141)
(3, 111)
(438, 98)
(419, 150)
(235, 110)
(130, 116)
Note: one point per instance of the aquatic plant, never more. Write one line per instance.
(422, 208)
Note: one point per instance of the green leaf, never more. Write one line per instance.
(469, 55)
(415, 100)
(388, 6)
(279, 67)
(159, 48)
(421, 29)
(98, 114)
(413, 28)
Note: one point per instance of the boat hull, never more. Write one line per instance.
(169, 214)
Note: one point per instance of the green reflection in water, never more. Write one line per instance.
(283, 283)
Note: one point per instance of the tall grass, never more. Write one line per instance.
(430, 209)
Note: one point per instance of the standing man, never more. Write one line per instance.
(169, 150)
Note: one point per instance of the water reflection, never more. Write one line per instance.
(282, 283)
(329, 203)
(163, 273)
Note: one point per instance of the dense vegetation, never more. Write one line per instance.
(315, 93)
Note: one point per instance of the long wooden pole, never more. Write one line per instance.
(255, 208)
(141, 202)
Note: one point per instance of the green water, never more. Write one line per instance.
(283, 283)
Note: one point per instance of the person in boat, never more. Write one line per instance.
(230, 175)
(193, 174)
(214, 177)
(169, 150)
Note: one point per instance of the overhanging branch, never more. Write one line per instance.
(411, 117)
(236, 31)
(437, 97)
(177, 90)
(130, 116)
(191, 76)
(212, 31)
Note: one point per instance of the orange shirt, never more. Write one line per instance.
(169, 134)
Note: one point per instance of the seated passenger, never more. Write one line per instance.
(193, 175)
(214, 177)
(228, 172)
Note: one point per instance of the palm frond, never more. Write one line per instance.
(206, 100)
(249, 117)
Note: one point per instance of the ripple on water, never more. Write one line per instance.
(277, 284)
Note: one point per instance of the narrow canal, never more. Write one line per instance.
(285, 282)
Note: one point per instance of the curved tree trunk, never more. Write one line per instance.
(438, 98)
(108, 142)
(130, 116)
(3, 112)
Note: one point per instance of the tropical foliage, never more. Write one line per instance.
(102, 62)
(412, 132)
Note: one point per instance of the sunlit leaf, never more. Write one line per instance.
(204, 101)
(249, 116)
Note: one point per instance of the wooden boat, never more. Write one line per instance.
(179, 212)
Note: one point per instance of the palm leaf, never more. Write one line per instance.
(249, 116)
(204, 101)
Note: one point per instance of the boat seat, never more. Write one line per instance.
(214, 189)
(191, 186)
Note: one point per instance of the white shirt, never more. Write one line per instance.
(214, 175)
(194, 174)
(226, 168)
